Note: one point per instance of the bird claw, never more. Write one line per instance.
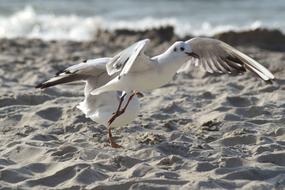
(115, 145)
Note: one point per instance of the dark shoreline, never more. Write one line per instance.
(263, 38)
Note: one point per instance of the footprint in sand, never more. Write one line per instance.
(52, 113)
(274, 158)
(251, 112)
(239, 140)
(24, 99)
(238, 101)
(66, 150)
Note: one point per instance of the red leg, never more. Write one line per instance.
(120, 112)
(112, 143)
(117, 114)
(129, 100)
(120, 103)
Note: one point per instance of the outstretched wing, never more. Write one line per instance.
(217, 56)
(124, 61)
(79, 72)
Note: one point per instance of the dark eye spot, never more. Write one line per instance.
(117, 66)
(175, 49)
(182, 48)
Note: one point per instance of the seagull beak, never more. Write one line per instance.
(192, 54)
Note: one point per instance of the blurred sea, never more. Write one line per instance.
(80, 19)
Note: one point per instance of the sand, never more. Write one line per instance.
(200, 131)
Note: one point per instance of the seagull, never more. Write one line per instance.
(100, 107)
(135, 72)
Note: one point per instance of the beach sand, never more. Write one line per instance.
(200, 131)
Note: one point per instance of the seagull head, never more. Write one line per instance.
(182, 49)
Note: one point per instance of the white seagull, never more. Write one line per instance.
(134, 71)
(101, 107)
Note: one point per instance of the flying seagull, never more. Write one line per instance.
(101, 107)
(134, 71)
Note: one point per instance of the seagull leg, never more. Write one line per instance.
(112, 143)
(129, 100)
(120, 112)
(117, 114)
(120, 103)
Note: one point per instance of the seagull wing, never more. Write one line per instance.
(217, 56)
(94, 69)
(124, 61)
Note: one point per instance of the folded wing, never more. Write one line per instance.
(217, 56)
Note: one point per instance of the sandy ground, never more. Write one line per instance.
(198, 132)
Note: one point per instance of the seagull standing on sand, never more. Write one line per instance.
(138, 72)
(101, 107)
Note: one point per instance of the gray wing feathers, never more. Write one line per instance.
(89, 67)
(79, 72)
(217, 56)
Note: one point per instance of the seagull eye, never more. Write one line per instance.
(182, 48)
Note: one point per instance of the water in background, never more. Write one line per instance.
(80, 19)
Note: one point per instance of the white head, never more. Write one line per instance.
(182, 50)
(176, 55)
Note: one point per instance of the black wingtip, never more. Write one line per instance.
(62, 71)
(39, 86)
(43, 85)
(59, 72)
(270, 81)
